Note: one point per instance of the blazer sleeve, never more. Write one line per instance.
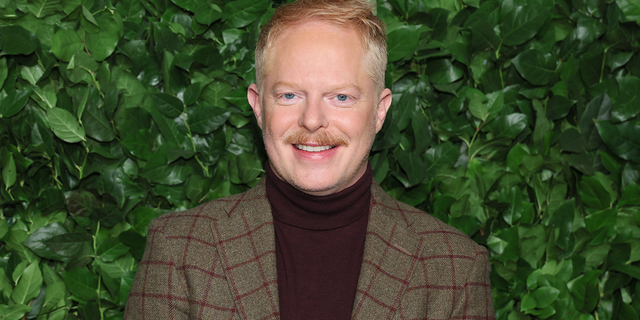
(477, 302)
(159, 290)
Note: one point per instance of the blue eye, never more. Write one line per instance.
(289, 96)
(342, 97)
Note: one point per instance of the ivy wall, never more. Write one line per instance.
(515, 121)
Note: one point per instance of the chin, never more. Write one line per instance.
(315, 188)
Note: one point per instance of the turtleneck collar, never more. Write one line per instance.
(296, 208)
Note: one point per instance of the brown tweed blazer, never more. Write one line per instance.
(217, 261)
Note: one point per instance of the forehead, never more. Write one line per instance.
(317, 50)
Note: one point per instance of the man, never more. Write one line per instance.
(316, 238)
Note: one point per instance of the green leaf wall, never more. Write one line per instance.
(515, 121)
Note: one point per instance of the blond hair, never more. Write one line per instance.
(354, 14)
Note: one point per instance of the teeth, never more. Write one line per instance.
(312, 148)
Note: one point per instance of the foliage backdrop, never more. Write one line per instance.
(515, 121)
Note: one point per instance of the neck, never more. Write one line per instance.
(297, 208)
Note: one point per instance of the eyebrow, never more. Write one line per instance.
(340, 87)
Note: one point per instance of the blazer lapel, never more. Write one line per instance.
(390, 256)
(246, 246)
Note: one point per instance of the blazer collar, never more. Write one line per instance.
(390, 256)
(245, 242)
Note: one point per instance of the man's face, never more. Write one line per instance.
(319, 112)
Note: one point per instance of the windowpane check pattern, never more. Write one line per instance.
(217, 261)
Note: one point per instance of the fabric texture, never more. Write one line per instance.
(217, 261)
(319, 247)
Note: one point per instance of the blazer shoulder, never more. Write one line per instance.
(215, 210)
(428, 226)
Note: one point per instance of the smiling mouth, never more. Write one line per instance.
(312, 148)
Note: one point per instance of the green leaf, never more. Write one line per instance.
(191, 5)
(31, 74)
(505, 244)
(89, 17)
(134, 241)
(545, 296)
(111, 249)
(208, 12)
(131, 10)
(622, 139)
(43, 8)
(593, 194)
(4, 71)
(95, 120)
(197, 187)
(532, 246)
(36, 305)
(54, 293)
(14, 312)
(80, 68)
(81, 282)
(13, 103)
(46, 96)
(588, 29)
(15, 40)
(558, 107)
(631, 9)
(585, 291)
(626, 106)
(535, 66)
(599, 108)
(29, 284)
(629, 196)
(119, 267)
(37, 240)
(19, 270)
(65, 125)
(571, 140)
(102, 44)
(141, 216)
(402, 41)
(4, 228)
(483, 36)
(139, 143)
(522, 19)
(169, 128)
(443, 71)
(240, 13)
(625, 311)
(206, 119)
(65, 44)
(441, 156)
(125, 286)
(509, 126)
(157, 170)
(631, 270)
(167, 104)
(412, 165)
(192, 93)
(528, 302)
(478, 104)
(9, 174)
(215, 92)
(67, 245)
(249, 167)
(618, 60)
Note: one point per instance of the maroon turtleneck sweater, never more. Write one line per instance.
(319, 247)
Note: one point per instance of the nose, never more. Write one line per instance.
(313, 116)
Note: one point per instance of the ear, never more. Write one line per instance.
(254, 100)
(382, 108)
